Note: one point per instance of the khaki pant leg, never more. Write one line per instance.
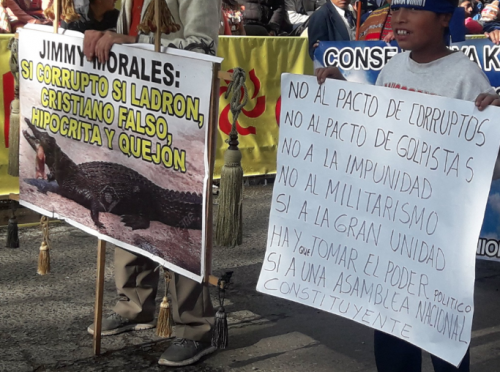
(136, 283)
(192, 309)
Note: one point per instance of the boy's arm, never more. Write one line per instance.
(331, 72)
(482, 101)
(487, 99)
(97, 44)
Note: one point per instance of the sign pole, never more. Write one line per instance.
(57, 15)
(157, 22)
(99, 289)
(211, 148)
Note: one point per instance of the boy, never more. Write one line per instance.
(419, 31)
(427, 66)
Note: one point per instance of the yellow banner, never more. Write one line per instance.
(8, 184)
(264, 59)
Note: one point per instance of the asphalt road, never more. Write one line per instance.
(43, 319)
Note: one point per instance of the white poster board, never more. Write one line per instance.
(118, 150)
(377, 207)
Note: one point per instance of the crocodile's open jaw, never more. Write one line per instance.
(32, 140)
(42, 138)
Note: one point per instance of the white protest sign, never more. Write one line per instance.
(118, 149)
(377, 206)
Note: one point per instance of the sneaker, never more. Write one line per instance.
(115, 324)
(184, 352)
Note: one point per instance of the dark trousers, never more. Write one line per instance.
(256, 30)
(395, 355)
(137, 283)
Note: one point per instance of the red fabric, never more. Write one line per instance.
(17, 16)
(473, 27)
(227, 28)
(28, 5)
(136, 17)
(387, 27)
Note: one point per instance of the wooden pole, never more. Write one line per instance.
(57, 15)
(158, 30)
(211, 148)
(358, 18)
(99, 289)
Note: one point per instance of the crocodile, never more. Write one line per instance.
(113, 188)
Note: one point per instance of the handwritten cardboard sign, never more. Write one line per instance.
(377, 207)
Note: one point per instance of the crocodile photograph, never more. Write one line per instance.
(114, 188)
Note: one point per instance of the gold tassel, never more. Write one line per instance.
(14, 120)
(167, 24)
(229, 226)
(44, 256)
(165, 321)
(229, 223)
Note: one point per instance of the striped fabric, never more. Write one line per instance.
(373, 27)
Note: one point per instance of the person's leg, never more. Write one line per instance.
(193, 315)
(441, 366)
(136, 283)
(395, 355)
(192, 309)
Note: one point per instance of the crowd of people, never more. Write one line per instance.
(321, 20)
(271, 17)
(17, 13)
(293, 17)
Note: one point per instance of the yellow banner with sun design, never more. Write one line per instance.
(264, 59)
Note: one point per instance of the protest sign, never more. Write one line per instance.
(361, 61)
(118, 149)
(377, 208)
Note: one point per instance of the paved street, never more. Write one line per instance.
(43, 319)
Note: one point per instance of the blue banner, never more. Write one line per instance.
(361, 61)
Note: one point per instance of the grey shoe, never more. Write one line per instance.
(115, 324)
(184, 352)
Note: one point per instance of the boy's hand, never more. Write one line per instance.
(331, 72)
(90, 39)
(487, 99)
(494, 36)
(97, 44)
(104, 44)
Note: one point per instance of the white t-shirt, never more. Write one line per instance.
(452, 76)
